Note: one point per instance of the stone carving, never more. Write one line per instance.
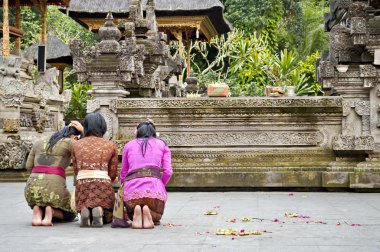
(40, 118)
(344, 143)
(139, 65)
(47, 84)
(12, 93)
(28, 107)
(326, 69)
(362, 108)
(368, 71)
(359, 31)
(240, 139)
(26, 120)
(354, 37)
(11, 125)
(340, 44)
(230, 103)
(13, 154)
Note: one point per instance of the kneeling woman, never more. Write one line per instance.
(95, 162)
(45, 190)
(144, 190)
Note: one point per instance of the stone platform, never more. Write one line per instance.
(240, 142)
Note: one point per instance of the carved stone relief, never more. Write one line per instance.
(13, 154)
(248, 138)
(11, 125)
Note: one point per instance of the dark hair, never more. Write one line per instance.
(94, 125)
(145, 130)
(66, 132)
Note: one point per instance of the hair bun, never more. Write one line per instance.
(150, 121)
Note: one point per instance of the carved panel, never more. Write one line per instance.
(326, 69)
(358, 25)
(229, 103)
(40, 118)
(11, 125)
(362, 108)
(361, 143)
(367, 71)
(13, 154)
(26, 120)
(247, 138)
(364, 143)
(344, 143)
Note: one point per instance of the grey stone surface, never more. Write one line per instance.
(197, 231)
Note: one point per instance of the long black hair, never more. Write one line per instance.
(66, 132)
(94, 125)
(145, 130)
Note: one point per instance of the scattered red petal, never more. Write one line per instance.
(276, 220)
(355, 225)
(291, 194)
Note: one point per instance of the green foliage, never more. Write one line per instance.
(31, 26)
(63, 26)
(248, 64)
(307, 67)
(252, 15)
(67, 29)
(303, 29)
(78, 104)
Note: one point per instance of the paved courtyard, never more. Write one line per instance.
(325, 222)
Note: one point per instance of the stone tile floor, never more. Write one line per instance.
(338, 222)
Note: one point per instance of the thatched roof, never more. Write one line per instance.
(120, 8)
(56, 51)
(30, 3)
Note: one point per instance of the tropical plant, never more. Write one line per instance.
(78, 104)
(280, 69)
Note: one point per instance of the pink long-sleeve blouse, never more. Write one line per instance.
(157, 155)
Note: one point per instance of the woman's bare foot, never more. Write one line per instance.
(147, 218)
(85, 217)
(97, 217)
(137, 217)
(47, 221)
(37, 216)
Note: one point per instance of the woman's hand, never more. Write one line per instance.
(77, 125)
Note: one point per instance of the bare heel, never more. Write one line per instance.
(37, 216)
(147, 218)
(47, 221)
(85, 218)
(137, 218)
(97, 217)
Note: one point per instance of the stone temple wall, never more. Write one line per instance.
(29, 109)
(240, 142)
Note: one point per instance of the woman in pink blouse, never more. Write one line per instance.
(144, 190)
